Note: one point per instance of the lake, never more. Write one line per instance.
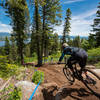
(2, 43)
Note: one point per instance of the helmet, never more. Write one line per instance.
(65, 45)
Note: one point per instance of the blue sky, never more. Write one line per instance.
(83, 13)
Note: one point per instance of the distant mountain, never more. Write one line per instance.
(72, 37)
(3, 34)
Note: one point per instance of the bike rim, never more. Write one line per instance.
(69, 75)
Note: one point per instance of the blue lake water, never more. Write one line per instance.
(2, 43)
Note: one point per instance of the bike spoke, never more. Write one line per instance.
(68, 73)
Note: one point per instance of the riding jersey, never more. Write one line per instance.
(74, 52)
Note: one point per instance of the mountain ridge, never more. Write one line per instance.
(3, 34)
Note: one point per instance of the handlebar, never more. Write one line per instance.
(61, 63)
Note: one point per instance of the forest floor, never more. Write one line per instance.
(77, 91)
(54, 74)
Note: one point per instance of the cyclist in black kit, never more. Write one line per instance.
(78, 55)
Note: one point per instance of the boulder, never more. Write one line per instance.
(49, 85)
(49, 90)
(90, 66)
(27, 90)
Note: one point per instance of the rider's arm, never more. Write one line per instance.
(66, 51)
(60, 59)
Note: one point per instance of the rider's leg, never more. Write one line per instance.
(82, 63)
(82, 58)
(70, 62)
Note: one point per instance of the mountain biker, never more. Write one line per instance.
(78, 55)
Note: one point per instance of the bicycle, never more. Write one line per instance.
(90, 79)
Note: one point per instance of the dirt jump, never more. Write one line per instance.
(77, 91)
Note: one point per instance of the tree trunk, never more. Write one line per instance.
(38, 40)
(22, 58)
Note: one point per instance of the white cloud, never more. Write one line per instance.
(72, 1)
(80, 25)
(86, 14)
(5, 28)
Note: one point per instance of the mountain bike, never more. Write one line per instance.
(87, 76)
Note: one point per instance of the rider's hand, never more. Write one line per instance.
(59, 62)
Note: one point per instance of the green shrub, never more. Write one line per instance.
(6, 69)
(97, 65)
(94, 55)
(30, 59)
(15, 94)
(37, 76)
(11, 93)
(56, 55)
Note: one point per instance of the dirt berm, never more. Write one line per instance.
(56, 86)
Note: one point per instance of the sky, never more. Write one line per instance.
(83, 13)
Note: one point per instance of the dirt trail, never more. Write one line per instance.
(77, 91)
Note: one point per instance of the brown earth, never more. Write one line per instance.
(58, 88)
(77, 91)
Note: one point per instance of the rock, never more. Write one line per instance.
(90, 66)
(58, 96)
(97, 71)
(49, 91)
(49, 85)
(27, 90)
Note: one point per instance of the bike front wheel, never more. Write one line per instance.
(69, 74)
(91, 81)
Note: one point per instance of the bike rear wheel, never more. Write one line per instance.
(69, 74)
(91, 81)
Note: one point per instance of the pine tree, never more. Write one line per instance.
(92, 41)
(96, 26)
(66, 26)
(34, 35)
(2, 51)
(7, 46)
(53, 43)
(38, 33)
(18, 12)
(51, 14)
(13, 49)
(33, 43)
(85, 44)
(56, 43)
(27, 50)
(47, 11)
(70, 42)
(77, 41)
